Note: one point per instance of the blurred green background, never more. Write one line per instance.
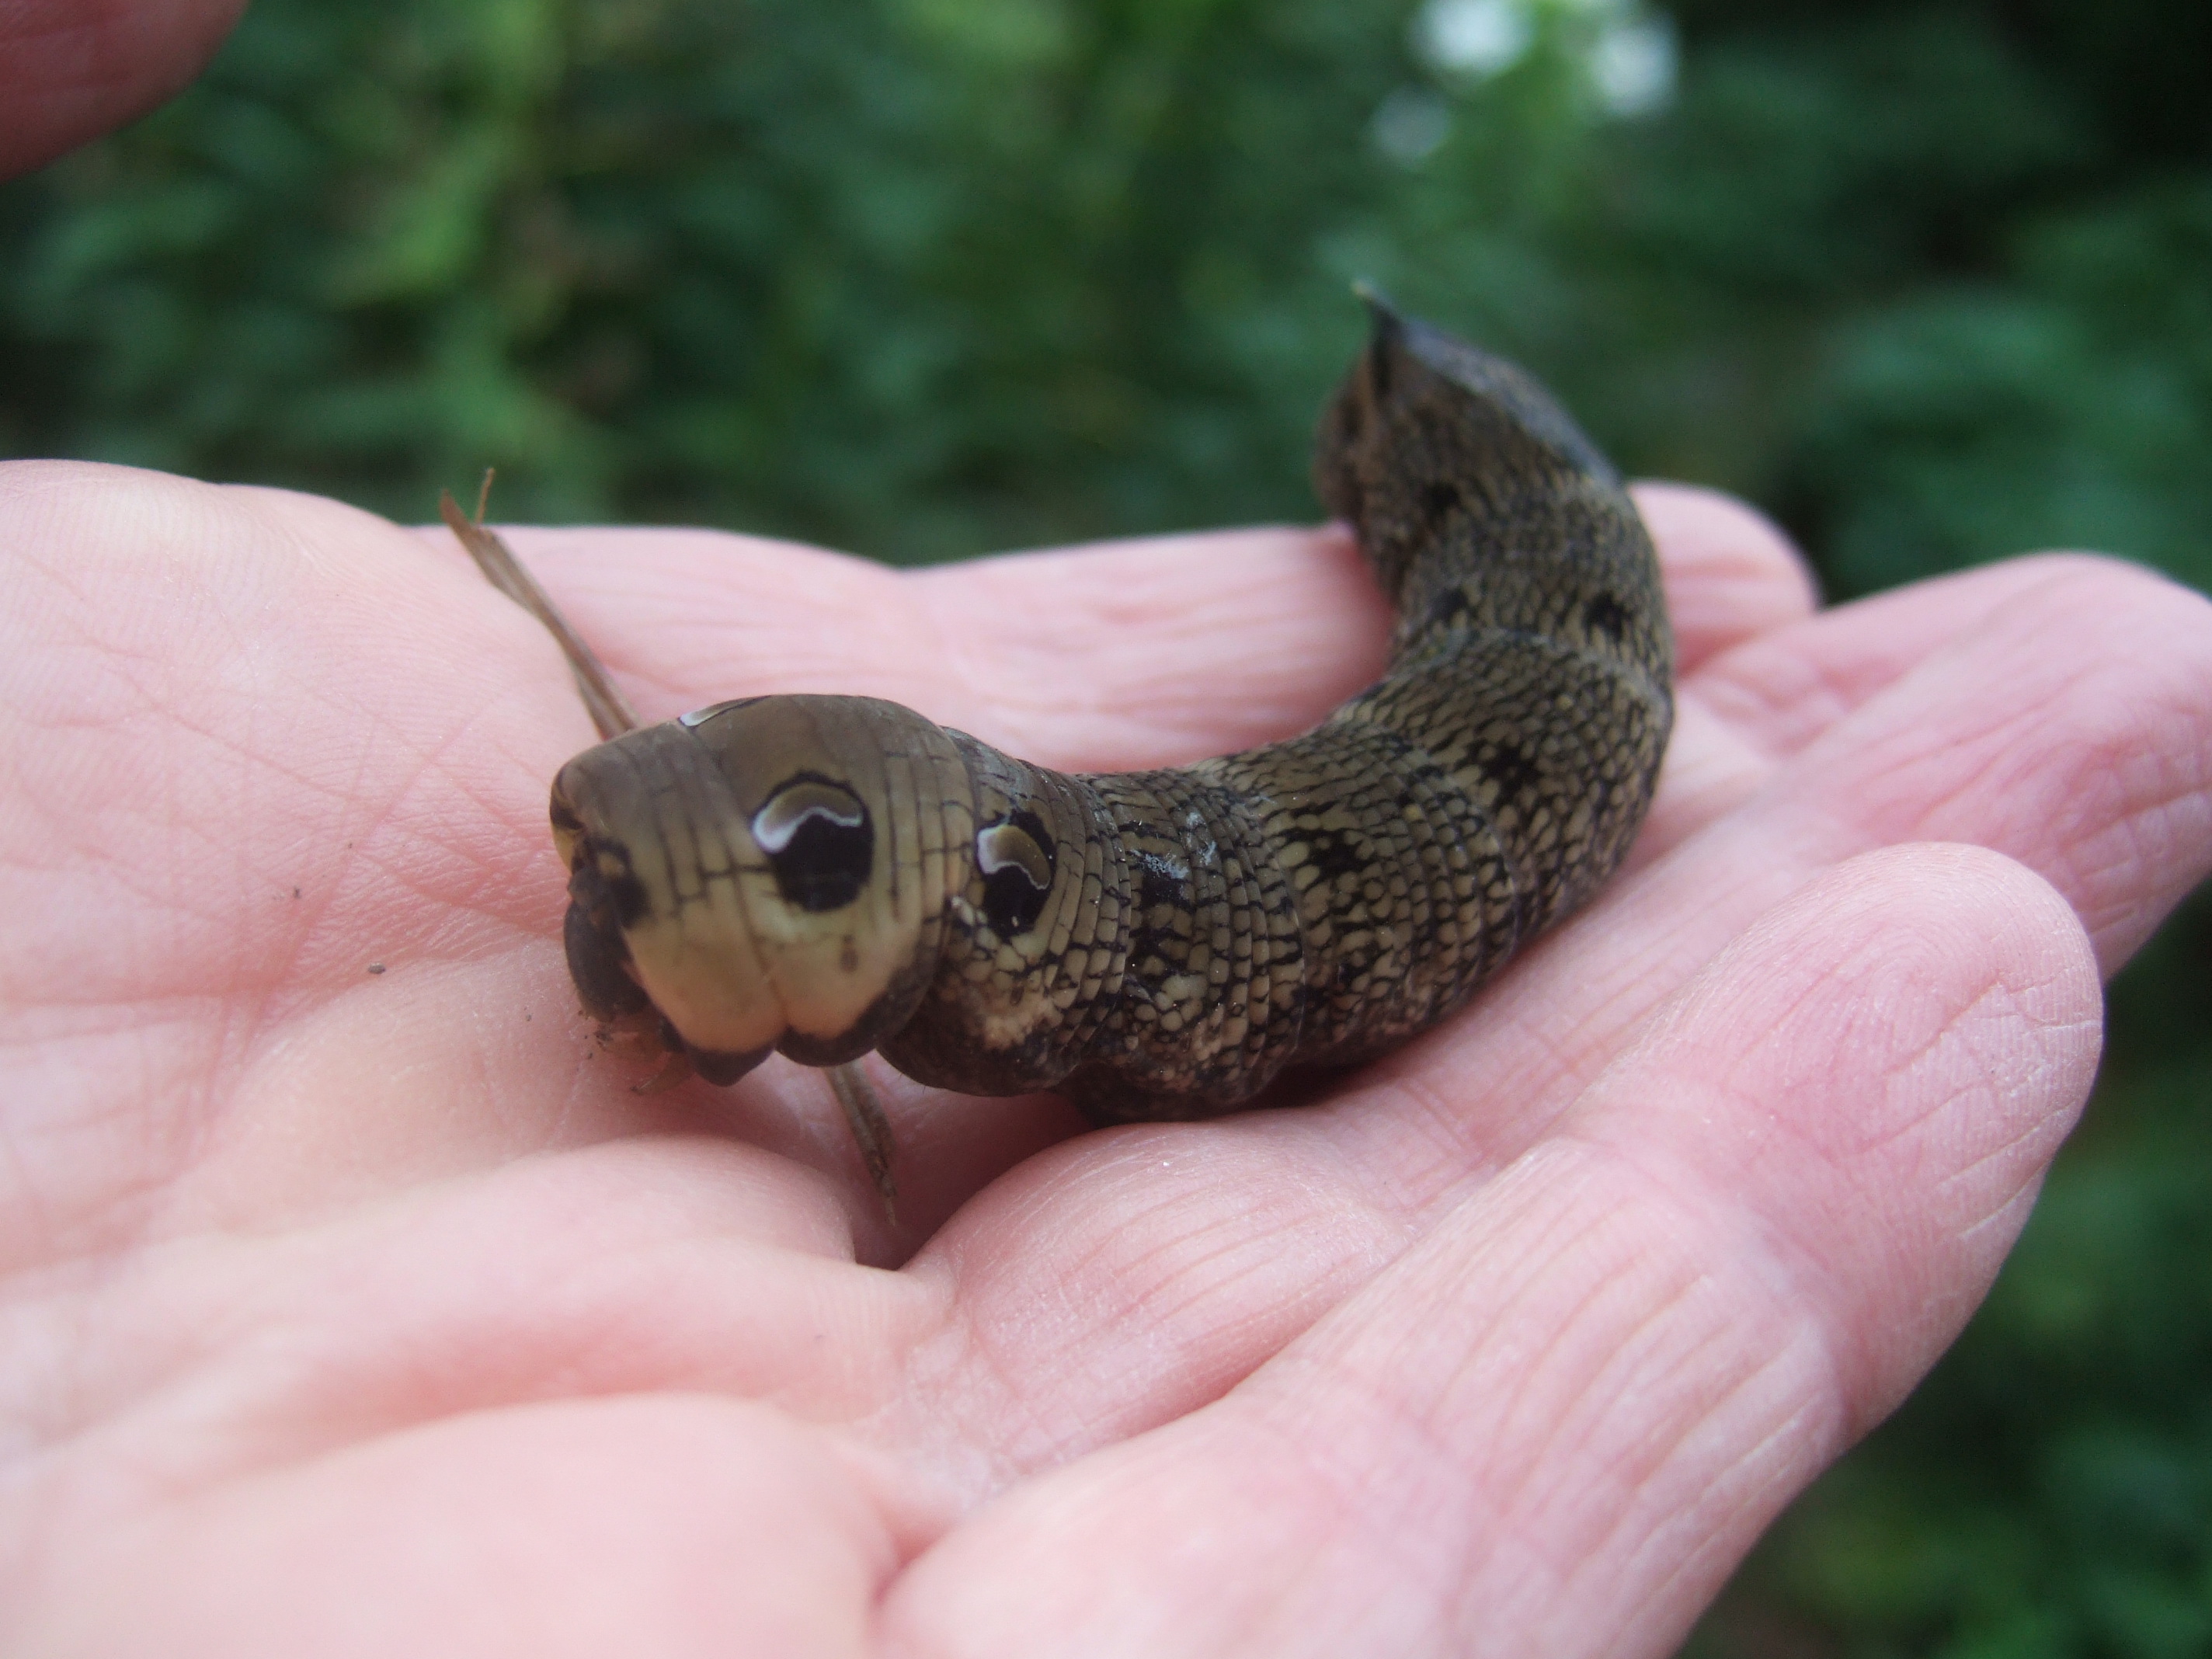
(1930, 281)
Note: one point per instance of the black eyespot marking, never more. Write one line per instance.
(1606, 614)
(818, 840)
(1015, 855)
(1439, 501)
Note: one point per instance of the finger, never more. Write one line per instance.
(1730, 575)
(670, 1263)
(71, 70)
(1554, 1424)
(1778, 695)
(1143, 653)
(1164, 650)
(675, 1525)
(1263, 609)
(2054, 708)
(1122, 654)
(1748, 708)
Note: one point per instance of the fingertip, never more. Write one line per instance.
(1876, 1075)
(69, 71)
(1730, 573)
(1160, 650)
(1993, 942)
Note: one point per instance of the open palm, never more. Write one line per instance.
(356, 1302)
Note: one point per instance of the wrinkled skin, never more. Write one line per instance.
(347, 1313)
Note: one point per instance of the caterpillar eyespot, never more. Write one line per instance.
(1015, 858)
(818, 840)
(825, 876)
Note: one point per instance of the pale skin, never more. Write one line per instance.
(350, 1312)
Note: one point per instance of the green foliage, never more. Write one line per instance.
(1925, 278)
(914, 276)
(924, 277)
(2071, 405)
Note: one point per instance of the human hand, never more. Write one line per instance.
(359, 1312)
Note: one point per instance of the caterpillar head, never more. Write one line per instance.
(769, 873)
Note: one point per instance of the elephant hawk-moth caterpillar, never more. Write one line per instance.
(822, 876)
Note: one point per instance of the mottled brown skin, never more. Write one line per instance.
(825, 875)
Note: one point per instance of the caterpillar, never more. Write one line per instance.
(823, 875)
